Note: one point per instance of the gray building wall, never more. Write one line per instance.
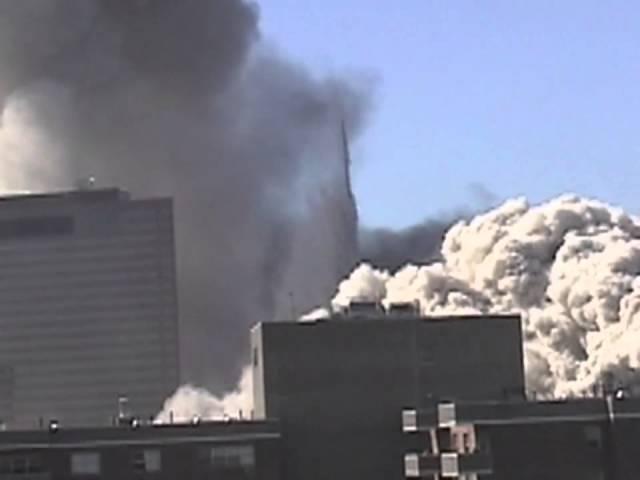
(339, 386)
(555, 451)
(88, 307)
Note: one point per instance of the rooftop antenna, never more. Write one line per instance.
(292, 306)
(346, 156)
(86, 183)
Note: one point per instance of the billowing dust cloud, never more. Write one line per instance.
(571, 266)
(191, 403)
(183, 99)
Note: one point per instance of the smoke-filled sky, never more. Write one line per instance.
(184, 99)
(210, 102)
(532, 98)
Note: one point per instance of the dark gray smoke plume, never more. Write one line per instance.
(167, 97)
(389, 249)
(392, 249)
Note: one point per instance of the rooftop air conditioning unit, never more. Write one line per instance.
(405, 309)
(364, 309)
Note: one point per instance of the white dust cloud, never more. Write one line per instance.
(191, 403)
(570, 266)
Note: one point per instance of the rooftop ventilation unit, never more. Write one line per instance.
(87, 183)
(408, 309)
(124, 414)
(54, 425)
(363, 309)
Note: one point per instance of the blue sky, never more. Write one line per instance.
(531, 98)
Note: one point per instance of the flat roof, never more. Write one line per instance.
(523, 412)
(532, 412)
(161, 434)
(66, 195)
(382, 318)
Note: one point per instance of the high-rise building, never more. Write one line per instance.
(88, 306)
(338, 385)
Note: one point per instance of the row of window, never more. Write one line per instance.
(119, 254)
(21, 465)
(109, 273)
(143, 461)
(29, 227)
(463, 439)
(150, 461)
(232, 456)
(89, 463)
(18, 228)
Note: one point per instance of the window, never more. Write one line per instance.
(593, 435)
(85, 463)
(147, 461)
(466, 442)
(20, 465)
(447, 414)
(35, 227)
(453, 441)
(255, 356)
(449, 465)
(232, 456)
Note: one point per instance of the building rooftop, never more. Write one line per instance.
(388, 316)
(89, 195)
(519, 412)
(210, 432)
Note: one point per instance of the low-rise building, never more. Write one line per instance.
(338, 385)
(203, 450)
(577, 439)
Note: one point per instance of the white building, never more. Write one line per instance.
(88, 306)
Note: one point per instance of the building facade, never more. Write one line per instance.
(88, 308)
(338, 385)
(221, 450)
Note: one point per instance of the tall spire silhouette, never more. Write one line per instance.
(346, 159)
(347, 209)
